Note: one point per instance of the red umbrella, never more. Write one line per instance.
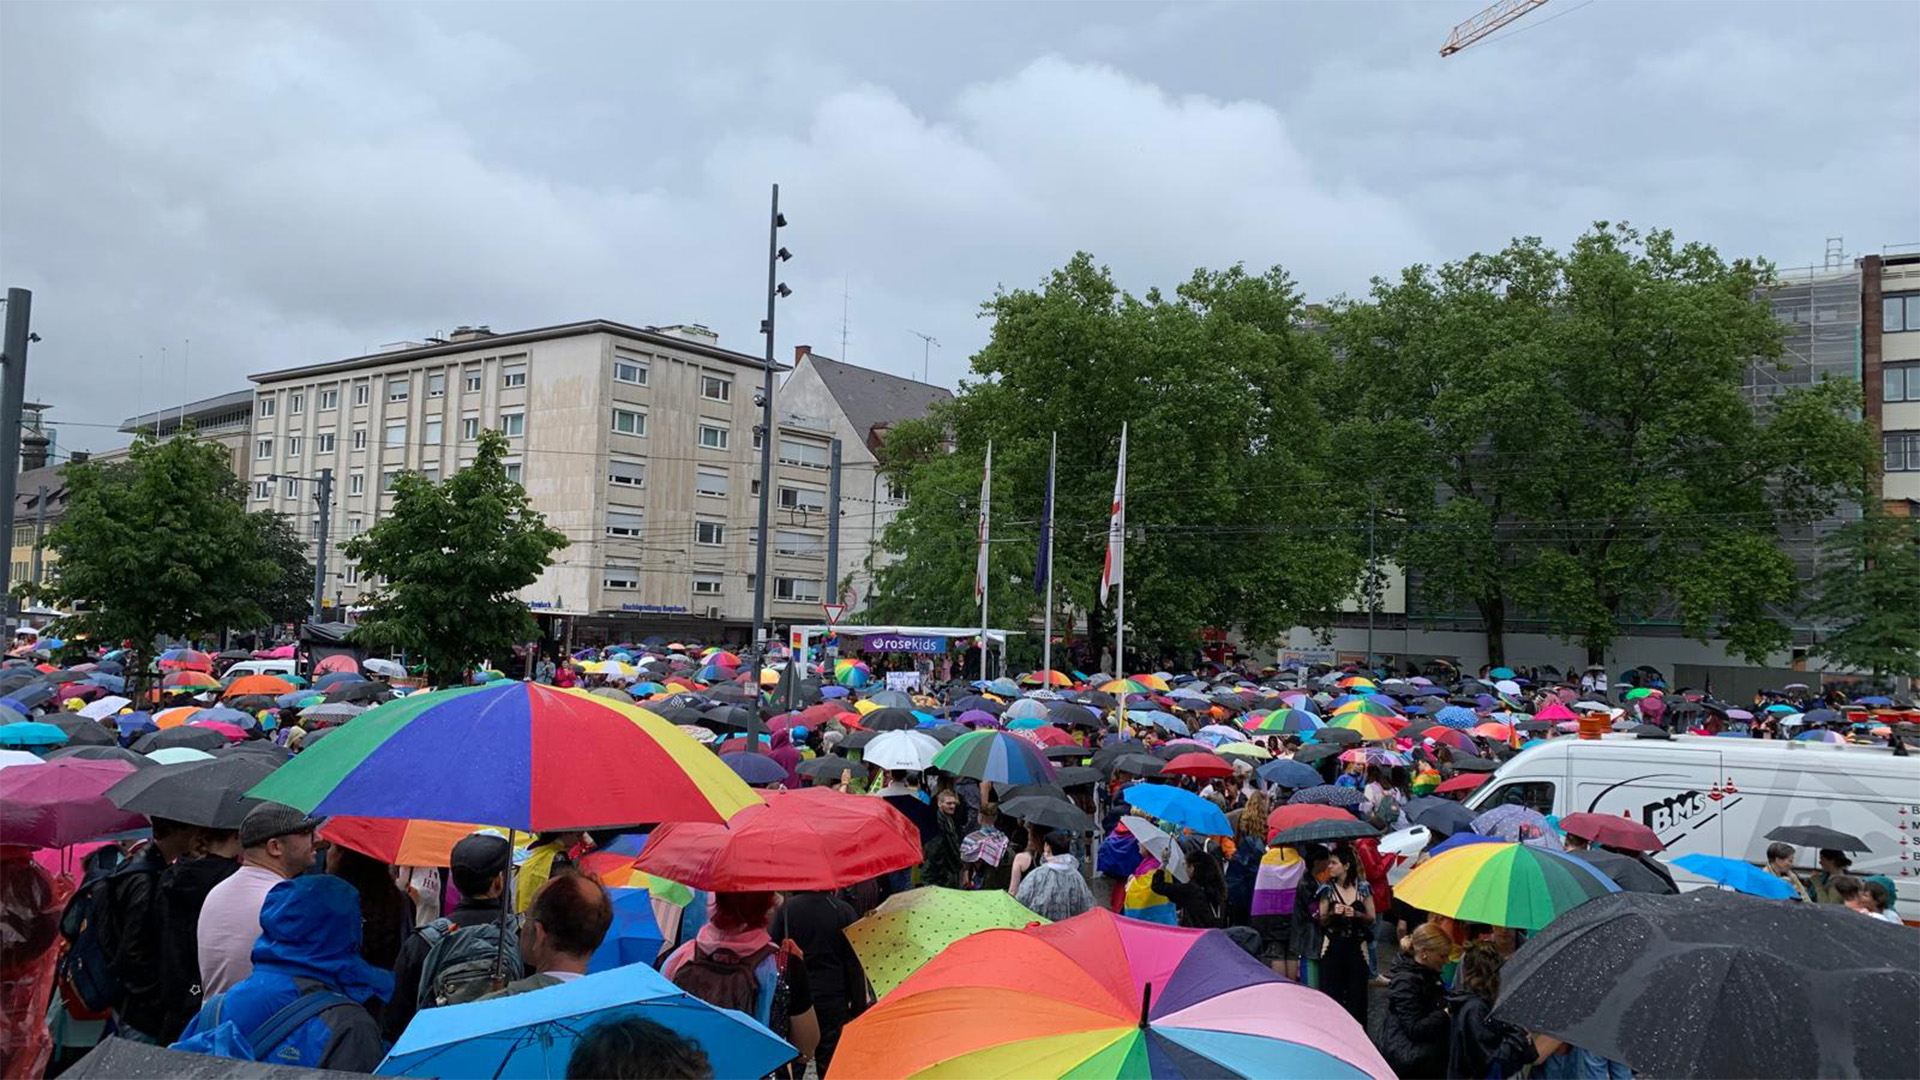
(1612, 831)
(1297, 814)
(336, 662)
(814, 838)
(62, 802)
(1047, 735)
(1456, 739)
(1210, 766)
(1463, 782)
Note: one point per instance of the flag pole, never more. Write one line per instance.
(1046, 641)
(1119, 558)
(985, 567)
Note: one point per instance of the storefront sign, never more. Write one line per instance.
(667, 609)
(916, 643)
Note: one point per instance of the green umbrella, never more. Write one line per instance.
(913, 927)
(1639, 692)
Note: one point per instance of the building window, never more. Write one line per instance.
(793, 542)
(626, 473)
(1903, 450)
(630, 370)
(759, 437)
(629, 422)
(1900, 382)
(329, 398)
(263, 407)
(712, 482)
(431, 476)
(351, 575)
(715, 388)
(354, 527)
(1899, 312)
(808, 500)
(623, 523)
(324, 442)
(431, 433)
(516, 473)
(513, 424)
(296, 403)
(713, 437)
(513, 376)
(437, 384)
(359, 438)
(360, 393)
(621, 577)
(397, 433)
(797, 590)
(293, 446)
(709, 533)
(356, 483)
(896, 492)
(708, 584)
(290, 488)
(470, 379)
(469, 428)
(263, 449)
(389, 479)
(753, 488)
(262, 489)
(398, 388)
(812, 455)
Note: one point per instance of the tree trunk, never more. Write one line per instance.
(1493, 615)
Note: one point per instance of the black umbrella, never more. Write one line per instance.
(208, 793)
(857, 739)
(32, 694)
(124, 1059)
(1669, 985)
(358, 693)
(193, 738)
(1818, 836)
(1337, 736)
(1050, 812)
(756, 769)
(1470, 763)
(103, 753)
(1075, 775)
(1313, 752)
(827, 770)
(890, 719)
(728, 718)
(1119, 748)
(1629, 873)
(1137, 764)
(1345, 798)
(84, 732)
(1045, 790)
(1065, 714)
(1440, 815)
(613, 693)
(1065, 753)
(1821, 716)
(975, 701)
(733, 694)
(1323, 831)
(1650, 731)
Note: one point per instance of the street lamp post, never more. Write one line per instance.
(775, 290)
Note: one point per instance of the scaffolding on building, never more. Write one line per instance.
(1820, 307)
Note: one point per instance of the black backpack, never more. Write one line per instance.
(85, 974)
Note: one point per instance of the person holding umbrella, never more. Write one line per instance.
(1780, 865)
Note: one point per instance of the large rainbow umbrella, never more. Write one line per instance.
(1101, 996)
(188, 680)
(1048, 677)
(995, 756)
(1502, 884)
(1364, 707)
(518, 755)
(1369, 727)
(1122, 686)
(1285, 721)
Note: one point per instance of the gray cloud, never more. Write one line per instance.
(288, 184)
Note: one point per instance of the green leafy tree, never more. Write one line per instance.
(447, 562)
(1868, 590)
(1229, 497)
(158, 545)
(289, 597)
(1565, 435)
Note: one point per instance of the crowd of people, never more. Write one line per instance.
(269, 942)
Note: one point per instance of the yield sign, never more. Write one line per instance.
(834, 611)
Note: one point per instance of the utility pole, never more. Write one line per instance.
(323, 496)
(13, 370)
(775, 290)
(833, 522)
(39, 528)
(1373, 597)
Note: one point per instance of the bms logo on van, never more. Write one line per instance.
(1688, 806)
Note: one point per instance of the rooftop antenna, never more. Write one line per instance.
(844, 293)
(928, 343)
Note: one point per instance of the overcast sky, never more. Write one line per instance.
(290, 184)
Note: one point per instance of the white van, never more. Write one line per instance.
(1721, 796)
(261, 667)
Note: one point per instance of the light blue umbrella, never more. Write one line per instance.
(634, 935)
(1182, 808)
(533, 1034)
(31, 733)
(1289, 773)
(1736, 875)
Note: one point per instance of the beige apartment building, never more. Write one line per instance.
(638, 444)
(1890, 371)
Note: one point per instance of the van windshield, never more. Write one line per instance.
(1532, 794)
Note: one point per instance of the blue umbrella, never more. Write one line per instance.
(1500, 673)
(334, 678)
(1457, 716)
(1164, 720)
(133, 725)
(754, 768)
(1182, 808)
(634, 936)
(11, 712)
(31, 734)
(532, 1035)
(26, 697)
(1736, 875)
(1289, 773)
(112, 683)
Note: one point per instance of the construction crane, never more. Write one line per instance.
(1493, 18)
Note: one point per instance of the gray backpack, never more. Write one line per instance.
(461, 960)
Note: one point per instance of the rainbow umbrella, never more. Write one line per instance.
(185, 660)
(1151, 682)
(1820, 735)
(611, 667)
(1102, 996)
(1048, 677)
(400, 841)
(1502, 884)
(911, 928)
(189, 680)
(1122, 686)
(1370, 727)
(1359, 682)
(850, 673)
(1363, 707)
(553, 759)
(996, 756)
(1286, 721)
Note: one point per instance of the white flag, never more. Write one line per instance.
(986, 500)
(1115, 568)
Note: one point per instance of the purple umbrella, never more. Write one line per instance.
(62, 802)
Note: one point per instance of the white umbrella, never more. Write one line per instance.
(1158, 844)
(389, 668)
(1027, 708)
(173, 755)
(907, 751)
(105, 707)
(10, 758)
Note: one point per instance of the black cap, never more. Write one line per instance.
(271, 820)
(483, 855)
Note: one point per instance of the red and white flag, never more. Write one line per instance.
(986, 501)
(1115, 570)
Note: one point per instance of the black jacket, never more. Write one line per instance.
(1198, 907)
(132, 939)
(183, 891)
(1413, 1037)
(1482, 1046)
(398, 1013)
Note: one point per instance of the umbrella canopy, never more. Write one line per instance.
(1049, 812)
(174, 755)
(1736, 875)
(827, 770)
(755, 769)
(900, 936)
(1210, 766)
(1329, 795)
(814, 838)
(908, 751)
(1612, 831)
(1503, 884)
(1817, 836)
(81, 732)
(1288, 773)
(533, 1035)
(31, 733)
(1631, 874)
(1462, 782)
(185, 660)
(1103, 996)
(555, 759)
(1667, 984)
(392, 669)
(399, 841)
(1511, 822)
(62, 802)
(208, 793)
(994, 756)
(258, 686)
(1177, 807)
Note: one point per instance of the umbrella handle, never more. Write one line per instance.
(1146, 1004)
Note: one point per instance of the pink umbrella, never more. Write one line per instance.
(336, 662)
(232, 733)
(62, 802)
(284, 652)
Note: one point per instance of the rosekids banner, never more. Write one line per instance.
(909, 643)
